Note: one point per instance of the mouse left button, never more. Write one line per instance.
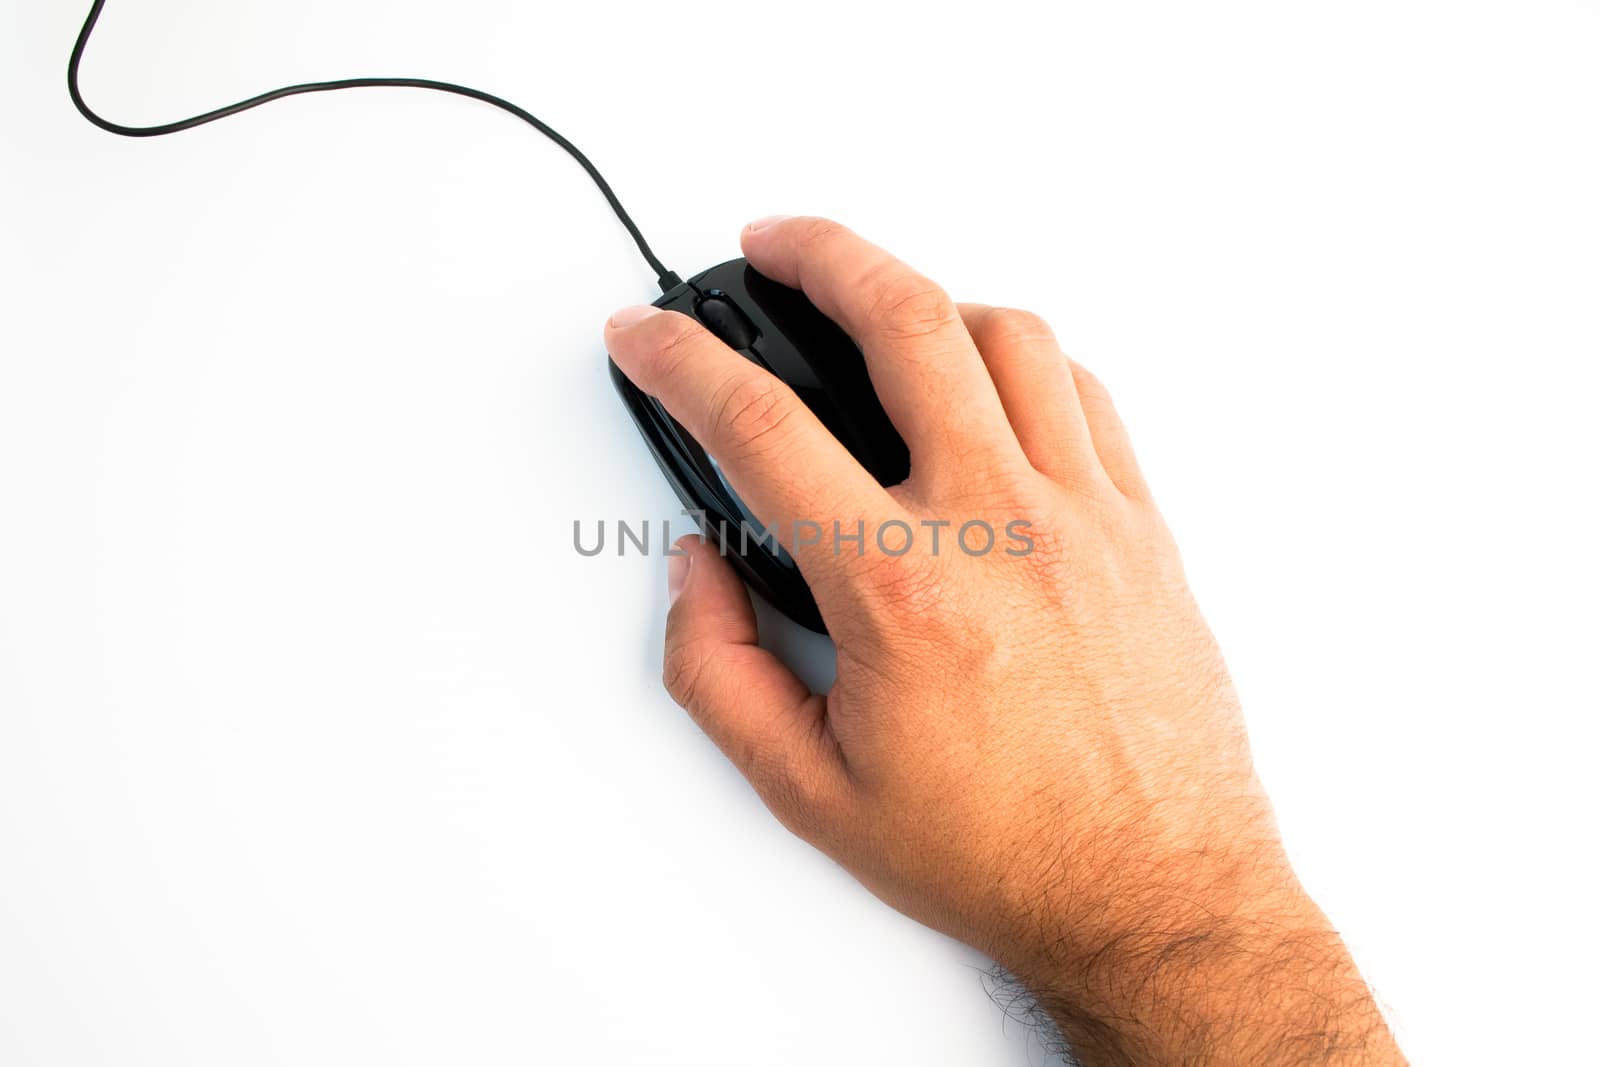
(724, 319)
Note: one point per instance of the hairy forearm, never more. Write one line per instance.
(1267, 981)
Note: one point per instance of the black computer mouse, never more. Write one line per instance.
(779, 329)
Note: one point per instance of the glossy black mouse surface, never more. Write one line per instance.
(779, 329)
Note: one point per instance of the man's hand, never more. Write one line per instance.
(1038, 752)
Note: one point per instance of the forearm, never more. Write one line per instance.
(1258, 983)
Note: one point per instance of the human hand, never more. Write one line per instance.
(1040, 754)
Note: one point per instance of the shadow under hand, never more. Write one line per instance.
(809, 655)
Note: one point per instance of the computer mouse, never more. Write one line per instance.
(779, 329)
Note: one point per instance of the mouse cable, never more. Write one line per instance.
(664, 277)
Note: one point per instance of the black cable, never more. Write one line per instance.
(664, 277)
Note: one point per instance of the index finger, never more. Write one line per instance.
(772, 449)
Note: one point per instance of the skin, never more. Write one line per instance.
(1041, 755)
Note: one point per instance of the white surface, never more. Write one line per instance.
(319, 744)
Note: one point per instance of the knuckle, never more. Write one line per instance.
(1006, 490)
(1009, 327)
(785, 794)
(751, 410)
(1047, 563)
(676, 338)
(1092, 392)
(905, 586)
(683, 672)
(790, 790)
(817, 231)
(799, 797)
(1064, 564)
(906, 306)
(799, 814)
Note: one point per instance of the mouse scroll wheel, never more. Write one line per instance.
(722, 317)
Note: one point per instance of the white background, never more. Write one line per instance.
(320, 745)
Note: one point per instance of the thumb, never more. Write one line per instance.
(763, 717)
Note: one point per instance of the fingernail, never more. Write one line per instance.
(633, 316)
(763, 223)
(677, 574)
